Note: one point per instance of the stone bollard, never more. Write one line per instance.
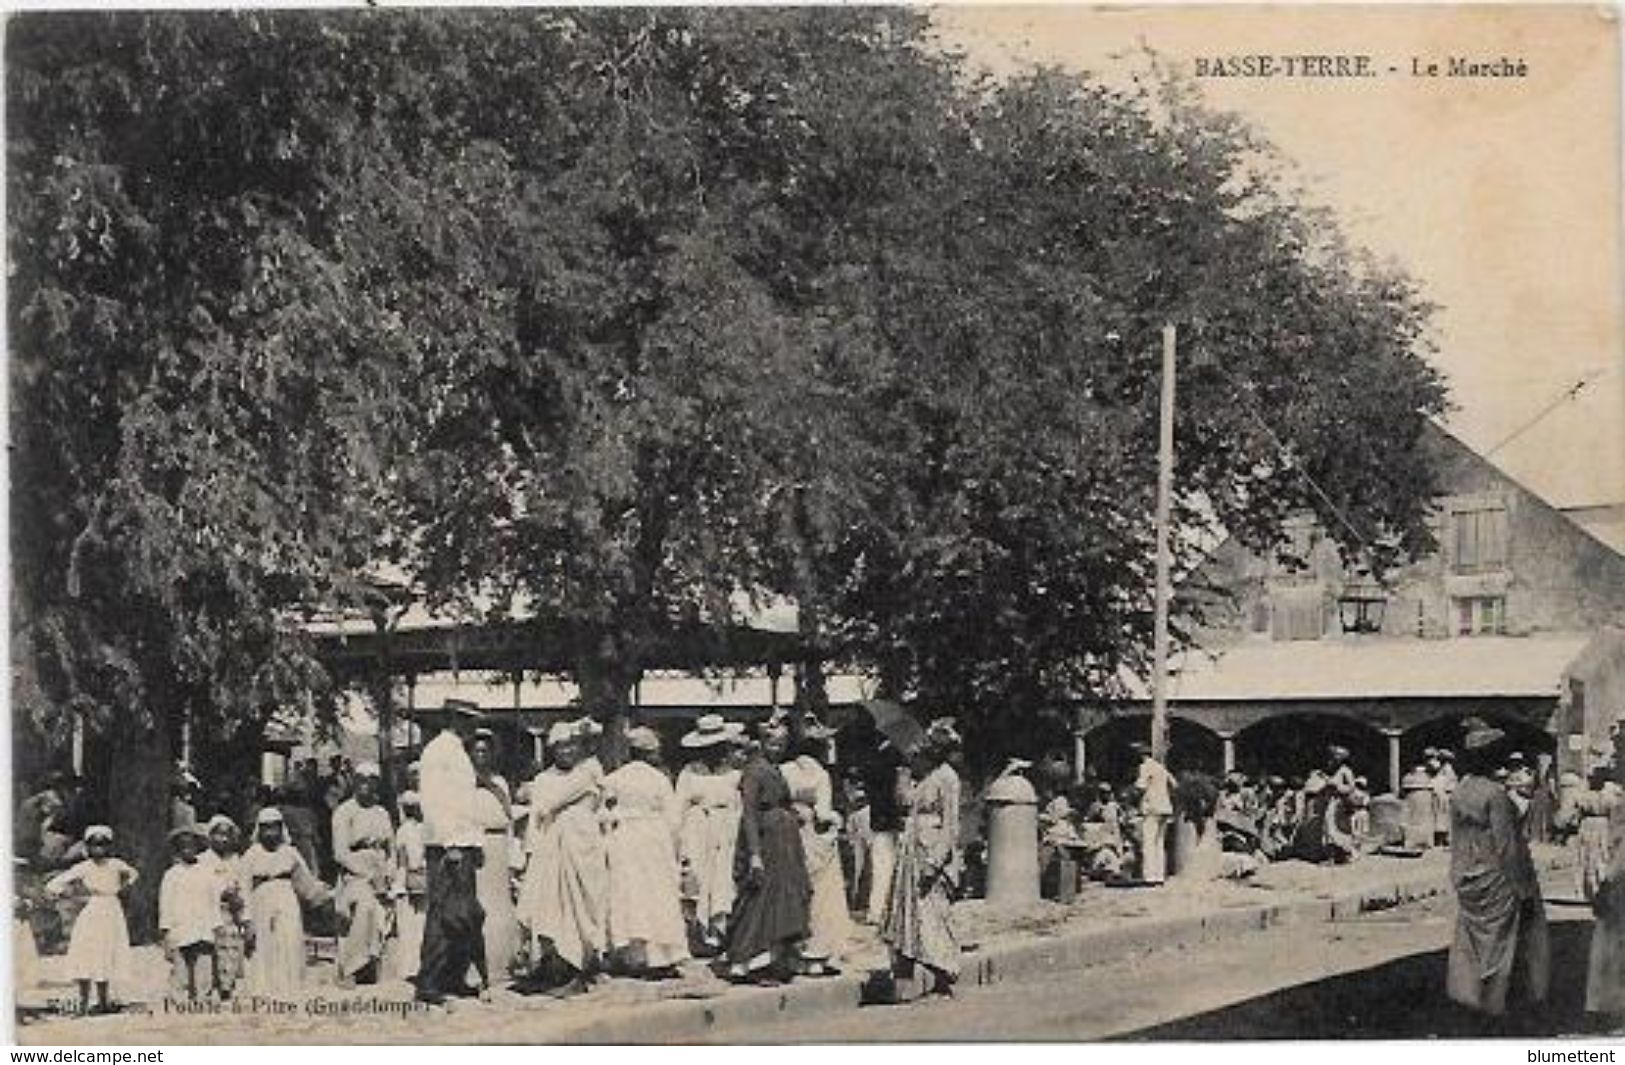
(1182, 841)
(1012, 842)
(1388, 820)
(1420, 816)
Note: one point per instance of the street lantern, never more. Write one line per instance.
(1360, 607)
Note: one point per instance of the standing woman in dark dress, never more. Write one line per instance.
(1501, 956)
(771, 911)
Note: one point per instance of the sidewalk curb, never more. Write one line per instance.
(686, 1021)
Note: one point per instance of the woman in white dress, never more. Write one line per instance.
(565, 896)
(1594, 807)
(812, 792)
(494, 881)
(99, 946)
(646, 929)
(277, 878)
(708, 801)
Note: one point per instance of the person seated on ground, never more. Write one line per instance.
(1241, 840)
(1058, 839)
(1253, 802)
(1294, 801)
(1230, 794)
(1339, 774)
(1359, 801)
(1055, 819)
(1333, 810)
(1275, 827)
(1104, 851)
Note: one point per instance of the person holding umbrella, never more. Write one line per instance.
(893, 730)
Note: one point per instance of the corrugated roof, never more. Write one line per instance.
(551, 693)
(774, 614)
(1480, 666)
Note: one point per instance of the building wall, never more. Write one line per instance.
(1593, 704)
(1555, 576)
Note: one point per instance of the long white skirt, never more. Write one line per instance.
(566, 890)
(829, 921)
(645, 908)
(493, 887)
(24, 954)
(708, 837)
(99, 947)
(407, 946)
(277, 965)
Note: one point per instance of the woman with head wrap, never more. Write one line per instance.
(99, 946)
(646, 929)
(1501, 940)
(565, 896)
(277, 879)
(770, 915)
(917, 926)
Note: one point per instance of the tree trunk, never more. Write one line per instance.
(606, 681)
(812, 696)
(138, 785)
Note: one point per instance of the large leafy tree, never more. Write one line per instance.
(212, 375)
(619, 314)
(1011, 262)
(674, 377)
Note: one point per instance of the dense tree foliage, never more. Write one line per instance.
(620, 314)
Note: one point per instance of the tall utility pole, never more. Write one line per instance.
(1165, 491)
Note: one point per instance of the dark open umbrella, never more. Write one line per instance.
(895, 723)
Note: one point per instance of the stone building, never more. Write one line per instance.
(1518, 617)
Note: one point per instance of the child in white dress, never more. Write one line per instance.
(99, 947)
(411, 887)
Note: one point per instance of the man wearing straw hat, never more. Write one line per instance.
(453, 923)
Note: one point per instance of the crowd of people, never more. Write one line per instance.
(742, 856)
(754, 856)
(1118, 833)
(1223, 827)
(1500, 958)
